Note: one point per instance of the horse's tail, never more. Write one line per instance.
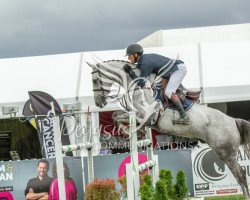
(244, 129)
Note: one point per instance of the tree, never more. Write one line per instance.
(181, 188)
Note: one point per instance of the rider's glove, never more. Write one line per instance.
(127, 68)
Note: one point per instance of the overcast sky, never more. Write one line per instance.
(42, 27)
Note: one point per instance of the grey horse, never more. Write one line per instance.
(222, 133)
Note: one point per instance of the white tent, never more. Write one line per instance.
(216, 57)
(53, 74)
(56, 75)
(206, 34)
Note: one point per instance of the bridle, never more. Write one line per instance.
(104, 92)
(101, 88)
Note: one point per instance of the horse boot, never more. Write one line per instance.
(184, 119)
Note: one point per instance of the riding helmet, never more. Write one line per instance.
(133, 49)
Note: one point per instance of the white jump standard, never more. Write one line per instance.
(134, 168)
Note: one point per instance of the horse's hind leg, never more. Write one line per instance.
(240, 176)
(237, 171)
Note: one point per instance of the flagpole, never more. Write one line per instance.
(79, 115)
(79, 77)
(59, 156)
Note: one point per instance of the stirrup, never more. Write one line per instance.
(181, 120)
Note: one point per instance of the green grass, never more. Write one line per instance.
(231, 197)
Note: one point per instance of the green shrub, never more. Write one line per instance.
(145, 191)
(147, 179)
(122, 181)
(166, 175)
(162, 174)
(143, 175)
(146, 188)
(181, 189)
(101, 189)
(160, 191)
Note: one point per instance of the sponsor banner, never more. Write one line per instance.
(15, 175)
(46, 135)
(211, 177)
(39, 104)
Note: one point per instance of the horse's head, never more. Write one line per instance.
(98, 90)
(104, 75)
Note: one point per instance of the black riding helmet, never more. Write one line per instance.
(133, 49)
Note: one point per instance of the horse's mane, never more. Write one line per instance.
(133, 66)
(123, 61)
(120, 62)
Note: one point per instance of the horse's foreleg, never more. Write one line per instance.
(121, 119)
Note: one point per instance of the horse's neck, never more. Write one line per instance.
(142, 100)
(126, 82)
(146, 106)
(119, 64)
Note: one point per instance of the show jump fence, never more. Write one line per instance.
(85, 146)
(70, 148)
(133, 169)
(88, 146)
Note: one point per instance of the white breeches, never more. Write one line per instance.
(175, 80)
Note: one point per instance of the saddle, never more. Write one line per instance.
(186, 96)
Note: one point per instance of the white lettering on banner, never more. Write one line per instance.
(6, 172)
(48, 137)
(51, 149)
(52, 155)
(6, 188)
(46, 127)
(202, 186)
(49, 142)
(2, 168)
(6, 176)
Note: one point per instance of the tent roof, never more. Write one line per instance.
(218, 55)
(216, 58)
(207, 34)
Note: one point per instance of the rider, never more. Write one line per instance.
(174, 71)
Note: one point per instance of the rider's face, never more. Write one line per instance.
(132, 58)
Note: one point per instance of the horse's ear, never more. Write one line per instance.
(91, 65)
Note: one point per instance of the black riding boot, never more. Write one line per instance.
(183, 115)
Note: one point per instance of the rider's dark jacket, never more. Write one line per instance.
(157, 64)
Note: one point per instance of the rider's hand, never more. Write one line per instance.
(127, 68)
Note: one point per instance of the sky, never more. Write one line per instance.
(43, 27)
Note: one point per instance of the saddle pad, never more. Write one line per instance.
(187, 104)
